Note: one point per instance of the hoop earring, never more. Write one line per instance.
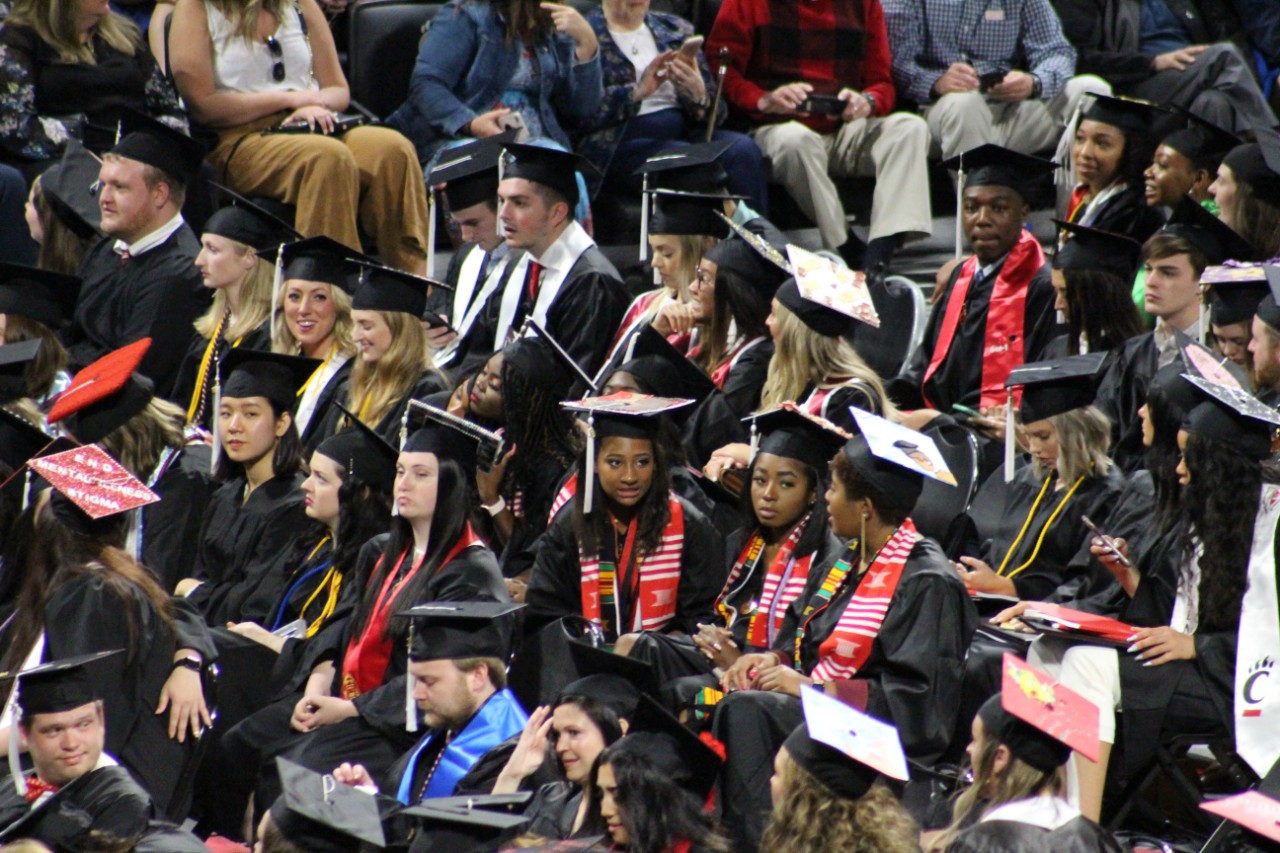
(862, 542)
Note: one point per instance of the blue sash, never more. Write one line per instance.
(500, 718)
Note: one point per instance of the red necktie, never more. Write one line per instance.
(124, 257)
(36, 788)
(535, 278)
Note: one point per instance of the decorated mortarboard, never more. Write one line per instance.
(825, 295)
(1054, 387)
(388, 289)
(70, 187)
(613, 679)
(1196, 358)
(1040, 720)
(1233, 416)
(622, 414)
(550, 167)
(649, 357)
(1258, 163)
(320, 259)
(894, 457)
(533, 327)
(1202, 142)
(362, 453)
(14, 359)
(254, 373)
(1130, 115)
(1255, 811)
(105, 395)
(844, 749)
(1092, 249)
(760, 264)
(430, 429)
(461, 629)
(993, 165)
(249, 223)
(688, 214)
(693, 168)
(319, 814)
(1269, 307)
(1236, 300)
(795, 434)
(91, 485)
(539, 364)
(156, 144)
(42, 295)
(1207, 233)
(667, 745)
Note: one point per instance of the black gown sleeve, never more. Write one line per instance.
(588, 310)
(555, 586)
(702, 572)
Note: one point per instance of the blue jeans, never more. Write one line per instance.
(665, 130)
(16, 245)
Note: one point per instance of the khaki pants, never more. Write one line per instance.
(892, 149)
(370, 176)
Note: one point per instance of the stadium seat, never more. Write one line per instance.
(383, 47)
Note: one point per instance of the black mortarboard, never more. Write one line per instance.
(666, 371)
(665, 743)
(428, 429)
(688, 214)
(1232, 416)
(249, 223)
(1233, 302)
(1042, 751)
(748, 255)
(469, 173)
(1091, 249)
(1054, 387)
(104, 395)
(1258, 163)
(590, 662)
(795, 435)
(844, 749)
(1128, 114)
(362, 453)
(1209, 234)
(387, 289)
(992, 165)
(14, 359)
(481, 812)
(253, 373)
(693, 168)
(318, 814)
(156, 144)
(1269, 308)
(20, 440)
(37, 294)
(539, 363)
(70, 188)
(57, 686)
(1201, 142)
(550, 167)
(320, 259)
(566, 360)
(461, 629)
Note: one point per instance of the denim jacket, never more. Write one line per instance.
(464, 65)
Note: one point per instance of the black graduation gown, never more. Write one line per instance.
(717, 420)
(320, 426)
(241, 545)
(537, 495)
(84, 616)
(555, 587)
(184, 387)
(1129, 518)
(1122, 391)
(836, 405)
(1077, 836)
(1127, 213)
(388, 426)
(476, 346)
(157, 294)
(959, 378)
(171, 527)
(106, 801)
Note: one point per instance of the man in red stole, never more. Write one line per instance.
(996, 311)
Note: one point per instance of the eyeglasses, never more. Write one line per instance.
(277, 54)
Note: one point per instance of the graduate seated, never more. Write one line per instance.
(314, 814)
(1246, 192)
(60, 723)
(627, 553)
(884, 626)
(1264, 347)
(35, 304)
(1093, 276)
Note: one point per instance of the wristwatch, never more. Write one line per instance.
(495, 509)
(192, 663)
(1037, 87)
(871, 101)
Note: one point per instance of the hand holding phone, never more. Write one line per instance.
(689, 49)
(1108, 544)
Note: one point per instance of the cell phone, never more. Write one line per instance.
(431, 318)
(829, 105)
(691, 46)
(1107, 542)
(991, 79)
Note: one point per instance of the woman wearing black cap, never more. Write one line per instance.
(1093, 276)
(1247, 189)
(34, 305)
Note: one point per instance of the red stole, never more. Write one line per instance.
(364, 666)
(1002, 348)
(566, 493)
(654, 578)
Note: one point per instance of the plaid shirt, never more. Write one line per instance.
(927, 36)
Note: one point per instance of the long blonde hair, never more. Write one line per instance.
(243, 16)
(802, 356)
(377, 388)
(57, 23)
(283, 341)
(139, 444)
(255, 301)
(811, 819)
(1083, 437)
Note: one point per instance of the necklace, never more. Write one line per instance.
(629, 42)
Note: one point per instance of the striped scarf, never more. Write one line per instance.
(654, 603)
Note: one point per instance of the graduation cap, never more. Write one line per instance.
(760, 264)
(469, 172)
(550, 167)
(1202, 142)
(254, 373)
(156, 144)
(387, 289)
(362, 453)
(894, 458)
(42, 295)
(539, 363)
(321, 259)
(1269, 308)
(992, 165)
(1233, 416)
(1207, 233)
(70, 187)
(249, 223)
(1236, 300)
(1130, 115)
(105, 395)
(845, 750)
(688, 214)
(614, 680)
(623, 414)
(662, 741)
(318, 814)
(824, 295)
(1256, 811)
(693, 168)
(666, 371)
(89, 486)
(1038, 719)
(1258, 163)
(795, 434)
(429, 429)
(561, 353)
(21, 440)
(1057, 386)
(476, 812)
(1092, 249)
(461, 629)
(14, 359)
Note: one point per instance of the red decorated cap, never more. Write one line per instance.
(99, 381)
(1048, 706)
